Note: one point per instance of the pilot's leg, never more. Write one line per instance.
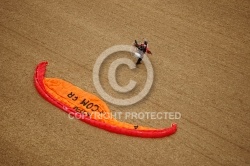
(139, 61)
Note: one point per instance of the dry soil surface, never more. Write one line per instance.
(201, 61)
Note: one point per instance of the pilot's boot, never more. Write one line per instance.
(138, 61)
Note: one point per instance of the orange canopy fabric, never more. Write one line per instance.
(84, 102)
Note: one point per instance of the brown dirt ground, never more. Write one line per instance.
(202, 70)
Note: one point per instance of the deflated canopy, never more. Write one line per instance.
(72, 100)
